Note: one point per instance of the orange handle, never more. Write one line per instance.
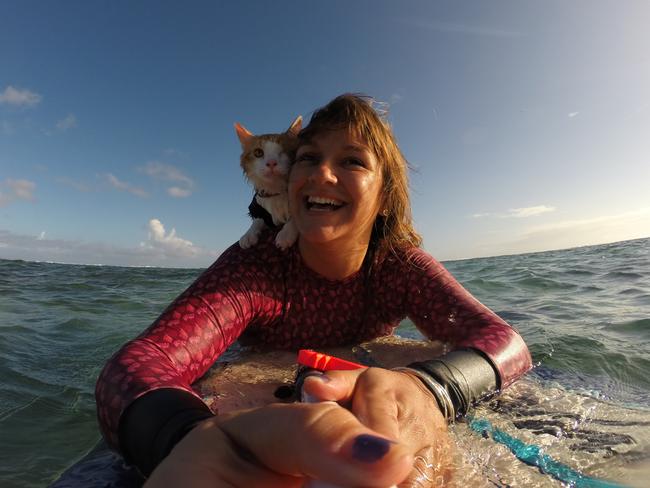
(324, 362)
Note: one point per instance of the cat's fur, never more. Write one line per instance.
(266, 160)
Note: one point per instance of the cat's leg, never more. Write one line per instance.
(287, 235)
(252, 235)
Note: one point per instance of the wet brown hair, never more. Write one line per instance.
(359, 115)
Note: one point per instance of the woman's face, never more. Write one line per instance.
(335, 189)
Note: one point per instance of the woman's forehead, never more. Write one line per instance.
(341, 138)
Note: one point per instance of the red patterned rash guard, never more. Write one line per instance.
(274, 297)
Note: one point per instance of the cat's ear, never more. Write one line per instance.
(295, 126)
(243, 133)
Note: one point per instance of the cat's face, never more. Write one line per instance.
(266, 159)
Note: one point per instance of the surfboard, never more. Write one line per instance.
(533, 434)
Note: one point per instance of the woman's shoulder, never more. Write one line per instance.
(410, 263)
(264, 253)
(408, 258)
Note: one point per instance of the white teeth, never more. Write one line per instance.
(324, 201)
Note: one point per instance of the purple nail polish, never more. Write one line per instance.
(370, 449)
(307, 398)
(318, 375)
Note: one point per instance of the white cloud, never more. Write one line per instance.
(529, 211)
(159, 250)
(629, 219)
(572, 114)
(168, 242)
(177, 192)
(68, 122)
(519, 213)
(12, 190)
(560, 234)
(19, 97)
(124, 186)
(583, 232)
(167, 172)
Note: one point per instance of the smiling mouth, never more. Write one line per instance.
(320, 204)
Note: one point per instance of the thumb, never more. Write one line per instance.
(367, 392)
(335, 386)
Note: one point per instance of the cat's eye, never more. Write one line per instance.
(258, 153)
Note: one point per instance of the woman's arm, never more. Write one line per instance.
(145, 402)
(484, 345)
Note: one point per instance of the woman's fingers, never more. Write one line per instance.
(399, 406)
(321, 441)
(207, 457)
(337, 386)
(370, 393)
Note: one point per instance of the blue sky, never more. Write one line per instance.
(527, 122)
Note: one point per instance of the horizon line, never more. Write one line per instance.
(442, 260)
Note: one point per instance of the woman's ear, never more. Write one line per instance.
(384, 210)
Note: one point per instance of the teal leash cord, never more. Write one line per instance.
(533, 456)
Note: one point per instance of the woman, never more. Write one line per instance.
(354, 273)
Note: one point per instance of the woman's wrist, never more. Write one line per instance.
(436, 390)
(466, 376)
(154, 423)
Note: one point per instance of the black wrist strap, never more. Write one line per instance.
(154, 423)
(466, 374)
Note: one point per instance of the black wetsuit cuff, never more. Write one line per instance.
(154, 423)
(466, 374)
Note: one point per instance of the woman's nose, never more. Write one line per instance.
(323, 173)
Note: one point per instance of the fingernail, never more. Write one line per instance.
(370, 449)
(307, 398)
(319, 375)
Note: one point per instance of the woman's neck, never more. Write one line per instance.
(331, 260)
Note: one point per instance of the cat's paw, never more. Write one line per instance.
(252, 234)
(249, 239)
(287, 236)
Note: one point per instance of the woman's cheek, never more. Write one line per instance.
(293, 189)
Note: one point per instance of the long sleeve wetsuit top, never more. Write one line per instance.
(274, 297)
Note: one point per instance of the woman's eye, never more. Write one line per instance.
(305, 157)
(354, 162)
(258, 153)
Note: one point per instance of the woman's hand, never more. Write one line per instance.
(282, 445)
(398, 406)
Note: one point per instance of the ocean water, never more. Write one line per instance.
(584, 312)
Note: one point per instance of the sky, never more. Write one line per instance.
(526, 123)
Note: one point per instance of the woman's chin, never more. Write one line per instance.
(318, 235)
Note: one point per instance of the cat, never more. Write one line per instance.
(266, 160)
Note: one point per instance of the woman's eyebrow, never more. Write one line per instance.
(356, 148)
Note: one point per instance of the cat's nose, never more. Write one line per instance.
(271, 163)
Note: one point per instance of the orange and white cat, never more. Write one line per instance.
(266, 160)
